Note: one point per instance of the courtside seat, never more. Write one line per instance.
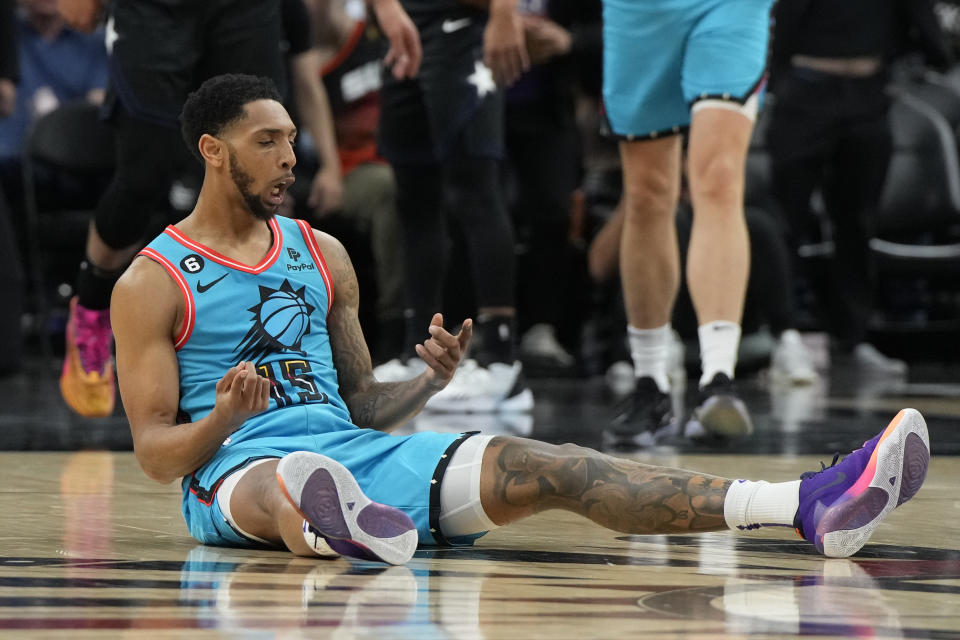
(920, 205)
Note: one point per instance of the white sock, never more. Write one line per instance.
(751, 505)
(719, 341)
(650, 350)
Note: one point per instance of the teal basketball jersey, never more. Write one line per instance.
(281, 326)
(274, 314)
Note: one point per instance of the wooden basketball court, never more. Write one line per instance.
(90, 548)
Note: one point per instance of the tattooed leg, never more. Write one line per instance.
(522, 477)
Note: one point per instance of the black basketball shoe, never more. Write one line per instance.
(719, 414)
(647, 417)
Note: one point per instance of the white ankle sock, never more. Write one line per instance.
(719, 341)
(650, 349)
(751, 505)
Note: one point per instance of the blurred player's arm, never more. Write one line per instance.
(145, 311)
(326, 191)
(504, 49)
(404, 56)
(381, 405)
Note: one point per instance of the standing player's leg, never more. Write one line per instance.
(723, 78)
(718, 261)
(650, 276)
(646, 112)
(649, 257)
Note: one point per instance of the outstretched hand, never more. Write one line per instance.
(442, 351)
(241, 394)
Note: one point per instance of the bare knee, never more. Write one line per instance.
(650, 197)
(717, 179)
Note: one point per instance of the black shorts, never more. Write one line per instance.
(163, 49)
(452, 104)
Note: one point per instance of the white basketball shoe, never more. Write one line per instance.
(475, 389)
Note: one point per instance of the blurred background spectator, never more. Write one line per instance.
(545, 168)
(443, 133)
(57, 64)
(351, 49)
(830, 132)
(306, 100)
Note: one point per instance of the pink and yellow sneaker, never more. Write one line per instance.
(842, 504)
(86, 381)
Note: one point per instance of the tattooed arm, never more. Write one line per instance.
(522, 477)
(373, 404)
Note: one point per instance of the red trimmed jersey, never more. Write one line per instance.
(273, 314)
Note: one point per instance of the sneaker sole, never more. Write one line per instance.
(326, 494)
(644, 439)
(725, 416)
(800, 379)
(897, 469)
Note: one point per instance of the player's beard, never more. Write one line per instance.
(243, 180)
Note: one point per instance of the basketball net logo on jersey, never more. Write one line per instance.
(280, 321)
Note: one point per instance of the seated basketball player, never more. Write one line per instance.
(244, 371)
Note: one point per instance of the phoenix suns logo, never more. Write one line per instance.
(280, 321)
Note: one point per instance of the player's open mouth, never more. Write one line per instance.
(276, 193)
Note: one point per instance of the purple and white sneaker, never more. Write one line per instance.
(326, 494)
(842, 504)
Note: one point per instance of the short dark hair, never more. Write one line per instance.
(219, 102)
